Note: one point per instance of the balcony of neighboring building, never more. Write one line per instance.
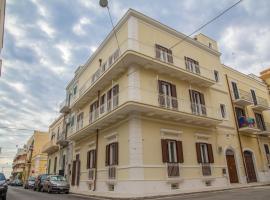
(260, 104)
(150, 104)
(64, 107)
(62, 139)
(149, 56)
(248, 125)
(242, 97)
(50, 147)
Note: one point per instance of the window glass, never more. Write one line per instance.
(223, 110)
(204, 153)
(216, 75)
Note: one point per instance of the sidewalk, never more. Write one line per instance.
(112, 195)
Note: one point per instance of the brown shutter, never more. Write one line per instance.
(198, 151)
(73, 173)
(174, 97)
(78, 172)
(107, 158)
(210, 153)
(170, 57)
(180, 155)
(116, 153)
(157, 51)
(88, 160)
(161, 98)
(164, 148)
(94, 158)
(203, 103)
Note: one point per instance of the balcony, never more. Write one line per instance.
(181, 111)
(206, 169)
(62, 139)
(242, 98)
(173, 170)
(264, 129)
(64, 107)
(50, 147)
(247, 125)
(132, 51)
(261, 104)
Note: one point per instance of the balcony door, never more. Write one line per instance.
(260, 121)
(254, 98)
(197, 103)
(167, 95)
(251, 173)
(240, 113)
(235, 90)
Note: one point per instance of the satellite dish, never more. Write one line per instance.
(103, 3)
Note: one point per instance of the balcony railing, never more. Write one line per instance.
(91, 174)
(173, 170)
(265, 128)
(112, 172)
(206, 169)
(246, 122)
(242, 97)
(262, 101)
(197, 72)
(62, 139)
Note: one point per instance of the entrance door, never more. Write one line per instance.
(251, 174)
(231, 166)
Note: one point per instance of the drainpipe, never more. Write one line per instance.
(237, 128)
(95, 180)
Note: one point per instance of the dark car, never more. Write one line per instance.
(39, 181)
(3, 187)
(56, 183)
(29, 184)
(16, 182)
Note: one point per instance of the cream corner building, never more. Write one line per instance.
(143, 117)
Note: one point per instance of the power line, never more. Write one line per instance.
(207, 23)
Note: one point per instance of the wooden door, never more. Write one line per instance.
(231, 166)
(251, 174)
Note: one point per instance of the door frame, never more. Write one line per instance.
(236, 164)
(254, 162)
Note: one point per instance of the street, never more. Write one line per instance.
(256, 193)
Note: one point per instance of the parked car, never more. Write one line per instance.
(39, 181)
(56, 183)
(16, 182)
(29, 184)
(3, 187)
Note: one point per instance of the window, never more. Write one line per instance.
(223, 111)
(72, 121)
(94, 111)
(111, 154)
(164, 54)
(102, 103)
(216, 75)
(192, 65)
(75, 90)
(167, 95)
(204, 153)
(91, 159)
(79, 121)
(254, 98)
(210, 45)
(235, 90)
(112, 98)
(197, 102)
(172, 151)
(267, 152)
(260, 121)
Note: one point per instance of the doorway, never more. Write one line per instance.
(231, 164)
(251, 174)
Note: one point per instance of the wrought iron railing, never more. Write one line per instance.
(173, 170)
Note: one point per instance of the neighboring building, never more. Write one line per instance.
(18, 165)
(58, 149)
(2, 23)
(36, 160)
(143, 117)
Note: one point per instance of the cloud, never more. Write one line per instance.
(79, 27)
(45, 27)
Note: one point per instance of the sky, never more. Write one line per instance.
(45, 41)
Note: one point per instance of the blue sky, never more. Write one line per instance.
(45, 41)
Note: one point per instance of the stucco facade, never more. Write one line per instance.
(145, 116)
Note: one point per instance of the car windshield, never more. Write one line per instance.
(2, 177)
(31, 178)
(58, 178)
(43, 177)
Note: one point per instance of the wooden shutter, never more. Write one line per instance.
(169, 55)
(164, 148)
(210, 153)
(107, 156)
(88, 160)
(116, 153)
(174, 96)
(198, 151)
(180, 155)
(158, 51)
(203, 103)
(161, 97)
(73, 173)
(78, 172)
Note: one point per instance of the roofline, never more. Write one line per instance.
(56, 120)
(245, 75)
(139, 15)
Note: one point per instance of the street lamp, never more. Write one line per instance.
(103, 3)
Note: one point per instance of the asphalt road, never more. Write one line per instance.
(256, 193)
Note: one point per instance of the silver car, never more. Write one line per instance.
(56, 183)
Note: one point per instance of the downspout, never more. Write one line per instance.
(237, 128)
(95, 180)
